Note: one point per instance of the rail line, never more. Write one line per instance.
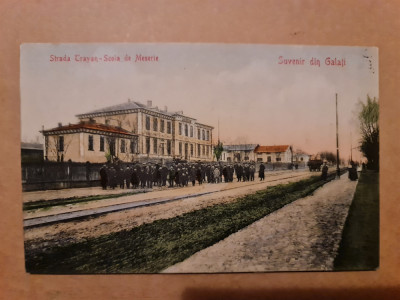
(96, 212)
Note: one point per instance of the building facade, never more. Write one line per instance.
(272, 154)
(300, 157)
(238, 153)
(131, 131)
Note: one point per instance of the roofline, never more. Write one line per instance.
(86, 130)
(205, 125)
(287, 147)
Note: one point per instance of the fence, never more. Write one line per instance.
(59, 175)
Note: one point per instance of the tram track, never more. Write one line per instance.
(99, 211)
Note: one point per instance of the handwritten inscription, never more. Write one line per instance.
(328, 61)
(138, 58)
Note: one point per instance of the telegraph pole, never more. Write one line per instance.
(337, 143)
(351, 148)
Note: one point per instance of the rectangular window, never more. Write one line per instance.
(198, 150)
(278, 159)
(180, 128)
(269, 159)
(169, 127)
(122, 146)
(198, 135)
(147, 123)
(186, 130)
(60, 143)
(90, 143)
(180, 148)
(208, 135)
(155, 146)
(162, 125)
(169, 147)
(208, 151)
(191, 149)
(203, 136)
(155, 124)
(259, 159)
(162, 150)
(148, 145)
(111, 142)
(203, 150)
(133, 146)
(191, 131)
(102, 143)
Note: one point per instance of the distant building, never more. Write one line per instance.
(300, 157)
(130, 131)
(238, 153)
(272, 154)
(31, 152)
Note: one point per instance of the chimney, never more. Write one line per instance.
(165, 108)
(59, 124)
(149, 103)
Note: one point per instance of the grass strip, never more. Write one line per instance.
(43, 204)
(152, 247)
(359, 247)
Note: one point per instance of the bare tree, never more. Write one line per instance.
(57, 146)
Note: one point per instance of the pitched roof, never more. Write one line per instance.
(243, 147)
(89, 126)
(119, 107)
(271, 149)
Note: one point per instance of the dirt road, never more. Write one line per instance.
(70, 232)
(302, 236)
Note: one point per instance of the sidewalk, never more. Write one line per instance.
(302, 236)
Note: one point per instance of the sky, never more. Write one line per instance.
(261, 94)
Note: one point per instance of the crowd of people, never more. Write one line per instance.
(147, 175)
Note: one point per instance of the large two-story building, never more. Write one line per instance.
(131, 131)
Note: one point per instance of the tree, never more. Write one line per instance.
(369, 143)
(218, 148)
(328, 156)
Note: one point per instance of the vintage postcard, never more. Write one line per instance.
(199, 158)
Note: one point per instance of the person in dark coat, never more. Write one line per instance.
(135, 177)
(353, 172)
(193, 175)
(261, 171)
(112, 177)
(171, 176)
(239, 172)
(103, 177)
(128, 175)
(225, 173)
(246, 172)
(198, 175)
(324, 174)
(252, 172)
(164, 175)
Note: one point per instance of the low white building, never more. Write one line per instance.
(300, 157)
(238, 153)
(272, 154)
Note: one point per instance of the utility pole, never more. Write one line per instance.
(337, 143)
(351, 148)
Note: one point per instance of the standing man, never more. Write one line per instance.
(103, 177)
(324, 174)
(261, 171)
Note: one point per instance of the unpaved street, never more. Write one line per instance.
(70, 232)
(302, 236)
